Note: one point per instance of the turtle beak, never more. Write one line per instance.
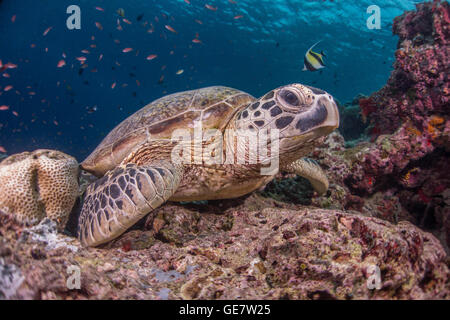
(332, 121)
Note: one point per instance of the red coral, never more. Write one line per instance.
(367, 106)
(418, 86)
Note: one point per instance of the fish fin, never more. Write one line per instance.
(323, 53)
(304, 68)
(315, 44)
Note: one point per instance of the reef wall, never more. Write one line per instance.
(403, 172)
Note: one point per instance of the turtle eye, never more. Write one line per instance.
(290, 97)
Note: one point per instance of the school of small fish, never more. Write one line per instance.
(81, 61)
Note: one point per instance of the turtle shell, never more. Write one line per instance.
(214, 106)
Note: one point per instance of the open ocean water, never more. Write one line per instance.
(56, 101)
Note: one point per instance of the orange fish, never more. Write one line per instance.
(238, 17)
(13, 18)
(81, 59)
(100, 57)
(2, 149)
(151, 57)
(170, 28)
(187, 1)
(4, 108)
(198, 21)
(61, 63)
(99, 25)
(7, 88)
(10, 65)
(196, 40)
(126, 21)
(47, 31)
(99, 8)
(113, 85)
(6, 75)
(127, 50)
(85, 51)
(207, 6)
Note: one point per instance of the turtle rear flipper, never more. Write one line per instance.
(310, 170)
(122, 197)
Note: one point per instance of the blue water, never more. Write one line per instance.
(256, 53)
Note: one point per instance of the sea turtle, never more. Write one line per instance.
(196, 145)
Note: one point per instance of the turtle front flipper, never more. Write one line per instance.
(310, 170)
(122, 197)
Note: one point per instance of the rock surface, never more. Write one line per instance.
(256, 248)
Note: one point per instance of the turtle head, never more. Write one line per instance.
(300, 113)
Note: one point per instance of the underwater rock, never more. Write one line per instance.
(38, 184)
(10, 280)
(418, 88)
(401, 173)
(393, 178)
(247, 252)
(353, 124)
(46, 232)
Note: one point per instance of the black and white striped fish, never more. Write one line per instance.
(313, 60)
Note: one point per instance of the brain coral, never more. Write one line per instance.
(37, 184)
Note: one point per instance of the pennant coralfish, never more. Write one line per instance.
(313, 60)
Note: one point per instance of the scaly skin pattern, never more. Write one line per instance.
(123, 196)
(147, 161)
(39, 184)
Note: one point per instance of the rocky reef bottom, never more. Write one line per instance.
(247, 248)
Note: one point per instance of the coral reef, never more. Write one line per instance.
(39, 184)
(418, 88)
(401, 173)
(255, 249)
